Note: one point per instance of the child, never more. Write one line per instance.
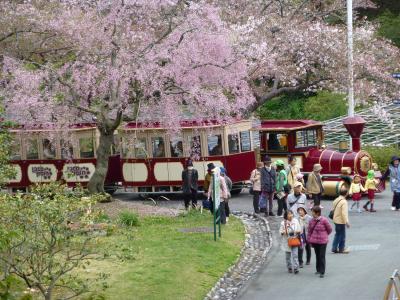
(356, 188)
(304, 219)
(370, 186)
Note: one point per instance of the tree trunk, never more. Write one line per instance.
(96, 183)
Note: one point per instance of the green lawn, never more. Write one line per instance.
(168, 264)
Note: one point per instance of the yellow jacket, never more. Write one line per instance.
(356, 188)
(341, 213)
(370, 184)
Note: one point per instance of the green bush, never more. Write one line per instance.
(324, 106)
(382, 155)
(128, 218)
(390, 27)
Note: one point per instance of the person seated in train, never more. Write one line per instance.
(160, 151)
(273, 142)
(48, 151)
(217, 149)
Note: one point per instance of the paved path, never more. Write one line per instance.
(362, 274)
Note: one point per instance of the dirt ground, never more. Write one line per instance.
(113, 208)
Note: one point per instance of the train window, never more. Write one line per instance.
(140, 148)
(214, 145)
(32, 149)
(86, 147)
(277, 141)
(233, 143)
(157, 144)
(15, 151)
(176, 148)
(245, 144)
(195, 147)
(49, 149)
(67, 150)
(306, 138)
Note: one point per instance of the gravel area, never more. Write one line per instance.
(113, 208)
(253, 255)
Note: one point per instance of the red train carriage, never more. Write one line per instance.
(45, 155)
(152, 160)
(303, 139)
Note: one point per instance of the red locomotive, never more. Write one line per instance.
(150, 159)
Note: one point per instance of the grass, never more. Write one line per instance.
(164, 263)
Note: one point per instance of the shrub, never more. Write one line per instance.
(129, 218)
(382, 155)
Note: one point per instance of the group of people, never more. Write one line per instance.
(269, 183)
(190, 179)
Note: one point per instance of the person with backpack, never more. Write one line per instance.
(296, 198)
(228, 182)
(255, 179)
(281, 187)
(268, 184)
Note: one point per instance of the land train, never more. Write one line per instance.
(150, 159)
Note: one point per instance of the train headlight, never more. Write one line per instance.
(365, 164)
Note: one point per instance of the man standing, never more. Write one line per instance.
(314, 185)
(268, 183)
(341, 220)
(296, 198)
(190, 179)
(393, 172)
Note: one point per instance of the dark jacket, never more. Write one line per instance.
(193, 184)
(268, 180)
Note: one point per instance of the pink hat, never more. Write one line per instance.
(299, 176)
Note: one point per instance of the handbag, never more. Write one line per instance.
(292, 241)
(280, 195)
(332, 212)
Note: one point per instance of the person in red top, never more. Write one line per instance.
(319, 230)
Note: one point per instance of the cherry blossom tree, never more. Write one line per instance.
(143, 60)
(295, 46)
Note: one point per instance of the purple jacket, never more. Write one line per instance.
(319, 231)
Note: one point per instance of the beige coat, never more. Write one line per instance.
(255, 179)
(292, 171)
(341, 214)
(312, 184)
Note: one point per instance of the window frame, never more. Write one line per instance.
(84, 135)
(286, 149)
(306, 139)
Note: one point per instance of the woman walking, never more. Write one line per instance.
(304, 220)
(255, 178)
(281, 184)
(223, 190)
(290, 230)
(319, 230)
(228, 182)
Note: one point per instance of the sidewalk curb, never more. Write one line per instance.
(257, 244)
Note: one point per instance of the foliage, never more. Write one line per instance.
(321, 106)
(6, 170)
(164, 257)
(128, 218)
(382, 155)
(324, 106)
(44, 238)
(390, 27)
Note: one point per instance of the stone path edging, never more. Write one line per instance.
(257, 244)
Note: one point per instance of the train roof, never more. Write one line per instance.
(183, 124)
(286, 125)
(52, 127)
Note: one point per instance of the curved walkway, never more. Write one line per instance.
(252, 257)
(362, 274)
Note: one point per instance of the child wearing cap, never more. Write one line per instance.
(355, 191)
(370, 186)
(304, 219)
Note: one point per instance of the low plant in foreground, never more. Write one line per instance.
(44, 237)
(128, 218)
